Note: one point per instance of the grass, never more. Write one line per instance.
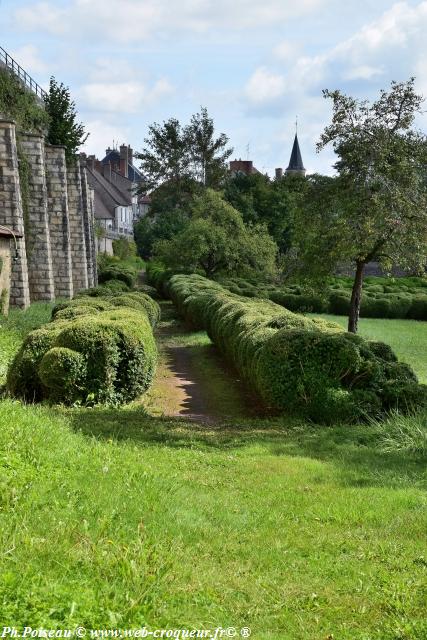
(15, 327)
(118, 518)
(408, 338)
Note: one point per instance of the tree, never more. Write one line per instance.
(217, 241)
(380, 209)
(208, 154)
(163, 226)
(165, 158)
(264, 201)
(63, 127)
(182, 155)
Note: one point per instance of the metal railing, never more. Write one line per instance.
(18, 71)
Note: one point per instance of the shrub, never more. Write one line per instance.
(95, 349)
(107, 358)
(117, 271)
(339, 304)
(63, 371)
(139, 301)
(295, 363)
(418, 308)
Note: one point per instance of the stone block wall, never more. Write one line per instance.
(5, 264)
(88, 224)
(37, 233)
(59, 221)
(77, 231)
(52, 241)
(11, 213)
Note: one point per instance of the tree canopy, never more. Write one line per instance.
(63, 126)
(184, 154)
(216, 240)
(376, 208)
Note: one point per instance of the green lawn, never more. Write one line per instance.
(114, 518)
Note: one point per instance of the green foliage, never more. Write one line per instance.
(264, 201)
(165, 225)
(390, 298)
(180, 155)
(294, 363)
(124, 248)
(63, 126)
(117, 271)
(208, 155)
(217, 241)
(20, 104)
(97, 350)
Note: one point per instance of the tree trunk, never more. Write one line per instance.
(356, 297)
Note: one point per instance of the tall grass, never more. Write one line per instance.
(403, 434)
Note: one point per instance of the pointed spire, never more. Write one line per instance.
(295, 163)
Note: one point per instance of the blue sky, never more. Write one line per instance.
(254, 65)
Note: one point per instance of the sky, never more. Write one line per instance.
(255, 66)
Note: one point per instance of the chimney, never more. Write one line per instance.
(124, 160)
(279, 173)
(130, 154)
(107, 171)
(107, 151)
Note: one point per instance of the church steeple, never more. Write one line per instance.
(296, 166)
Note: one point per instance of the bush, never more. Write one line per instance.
(339, 304)
(98, 350)
(295, 363)
(382, 297)
(418, 308)
(117, 272)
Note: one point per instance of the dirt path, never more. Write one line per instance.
(192, 380)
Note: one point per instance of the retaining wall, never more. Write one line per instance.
(55, 253)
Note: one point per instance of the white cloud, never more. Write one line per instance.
(264, 87)
(123, 97)
(134, 20)
(391, 44)
(29, 58)
(286, 51)
(103, 135)
(363, 72)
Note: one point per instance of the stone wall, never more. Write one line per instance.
(37, 233)
(88, 224)
(5, 264)
(77, 232)
(59, 221)
(11, 212)
(55, 252)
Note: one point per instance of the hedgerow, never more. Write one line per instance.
(95, 349)
(397, 298)
(295, 363)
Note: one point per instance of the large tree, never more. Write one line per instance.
(63, 126)
(208, 154)
(216, 241)
(264, 201)
(378, 206)
(182, 155)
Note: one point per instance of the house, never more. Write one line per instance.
(114, 180)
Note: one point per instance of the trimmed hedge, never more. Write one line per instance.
(98, 350)
(382, 297)
(295, 363)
